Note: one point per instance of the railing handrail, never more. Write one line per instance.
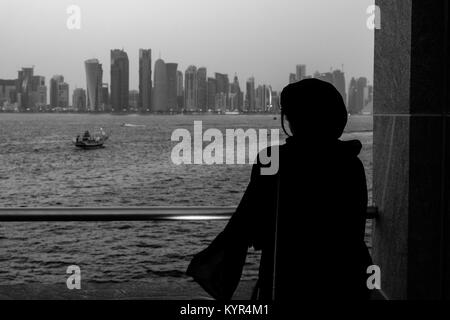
(55, 214)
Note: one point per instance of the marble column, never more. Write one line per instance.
(411, 149)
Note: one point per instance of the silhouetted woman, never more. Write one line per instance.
(308, 219)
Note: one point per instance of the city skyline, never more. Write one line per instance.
(200, 92)
(248, 47)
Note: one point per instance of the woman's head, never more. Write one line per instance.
(314, 106)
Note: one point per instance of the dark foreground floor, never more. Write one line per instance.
(155, 290)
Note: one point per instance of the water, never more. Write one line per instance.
(39, 167)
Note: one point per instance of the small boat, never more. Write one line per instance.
(91, 141)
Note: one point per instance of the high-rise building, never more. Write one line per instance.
(119, 80)
(24, 83)
(63, 95)
(292, 78)
(8, 92)
(202, 95)
(327, 76)
(94, 81)
(160, 90)
(339, 83)
(106, 104)
(54, 85)
(39, 93)
(145, 80)
(171, 71)
(352, 106)
(250, 94)
(191, 88)
(180, 90)
(237, 99)
(300, 72)
(223, 86)
(211, 101)
(221, 102)
(275, 102)
(79, 99)
(263, 98)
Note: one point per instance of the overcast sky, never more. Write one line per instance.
(264, 38)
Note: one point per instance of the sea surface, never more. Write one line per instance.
(39, 167)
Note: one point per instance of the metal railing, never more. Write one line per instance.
(124, 214)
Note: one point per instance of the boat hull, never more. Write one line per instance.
(89, 146)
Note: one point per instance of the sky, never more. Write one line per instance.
(261, 38)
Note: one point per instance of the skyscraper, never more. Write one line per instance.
(180, 91)
(160, 90)
(263, 98)
(339, 83)
(352, 99)
(39, 93)
(106, 104)
(145, 80)
(171, 71)
(300, 72)
(79, 100)
(119, 80)
(237, 101)
(94, 78)
(24, 83)
(63, 95)
(211, 101)
(223, 86)
(8, 93)
(292, 78)
(250, 94)
(191, 88)
(54, 85)
(202, 95)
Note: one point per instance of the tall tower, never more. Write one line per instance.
(339, 83)
(352, 97)
(191, 88)
(94, 80)
(119, 80)
(202, 95)
(24, 88)
(145, 80)
(180, 91)
(300, 72)
(54, 85)
(171, 71)
(292, 78)
(160, 90)
(223, 88)
(211, 94)
(250, 94)
(79, 100)
(237, 100)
